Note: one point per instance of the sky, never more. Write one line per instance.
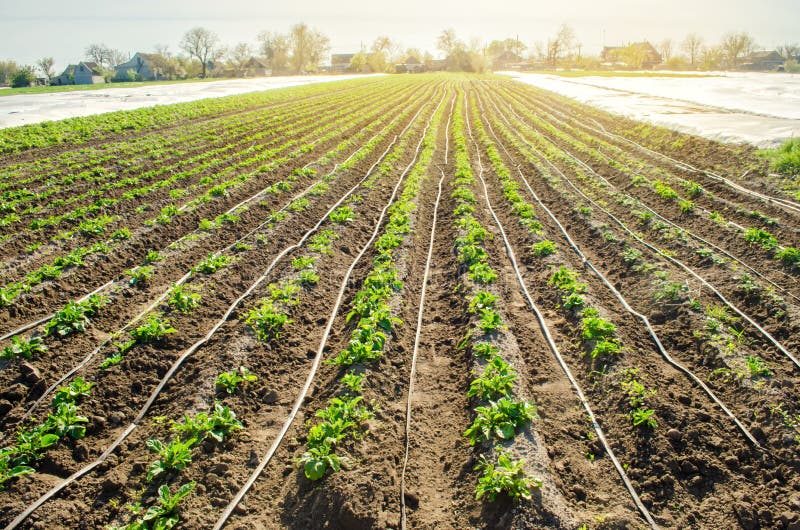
(31, 29)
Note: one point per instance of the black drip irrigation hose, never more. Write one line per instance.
(554, 349)
(785, 203)
(417, 337)
(320, 351)
(588, 264)
(246, 201)
(188, 275)
(730, 256)
(672, 260)
(143, 411)
(414, 355)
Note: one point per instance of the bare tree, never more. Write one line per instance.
(45, 64)
(790, 52)
(202, 44)
(238, 56)
(99, 53)
(711, 57)
(665, 49)
(692, 45)
(104, 56)
(561, 44)
(736, 46)
(447, 42)
(274, 47)
(308, 46)
(116, 57)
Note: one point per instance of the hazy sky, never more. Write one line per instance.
(30, 29)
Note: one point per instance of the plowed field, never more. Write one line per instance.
(407, 301)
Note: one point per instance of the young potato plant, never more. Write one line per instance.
(342, 215)
(496, 382)
(322, 242)
(184, 298)
(153, 329)
(307, 278)
(341, 418)
(161, 516)
(482, 300)
(228, 381)
(484, 350)
(761, 237)
(216, 425)
(543, 248)
(74, 316)
(63, 420)
(140, 275)
(212, 264)
(22, 348)
(482, 273)
(267, 321)
(173, 456)
(489, 321)
(153, 256)
(507, 477)
(637, 394)
(500, 419)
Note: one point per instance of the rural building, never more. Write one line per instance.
(256, 68)
(67, 77)
(764, 61)
(88, 73)
(143, 65)
(411, 65)
(636, 55)
(506, 60)
(340, 62)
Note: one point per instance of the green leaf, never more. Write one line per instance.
(314, 469)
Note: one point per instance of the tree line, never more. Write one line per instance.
(202, 53)
(302, 49)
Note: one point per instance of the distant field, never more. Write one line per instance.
(419, 301)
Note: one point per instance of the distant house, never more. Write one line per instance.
(340, 62)
(636, 55)
(764, 61)
(411, 66)
(506, 60)
(67, 77)
(144, 68)
(88, 73)
(256, 68)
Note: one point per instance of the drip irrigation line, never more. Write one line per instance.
(231, 210)
(664, 219)
(672, 260)
(415, 353)
(554, 349)
(188, 275)
(588, 264)
(223, 518)
(785, 203)
(143, 411)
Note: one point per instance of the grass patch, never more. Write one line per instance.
(786, 159)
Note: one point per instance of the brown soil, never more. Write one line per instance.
(695, 470)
